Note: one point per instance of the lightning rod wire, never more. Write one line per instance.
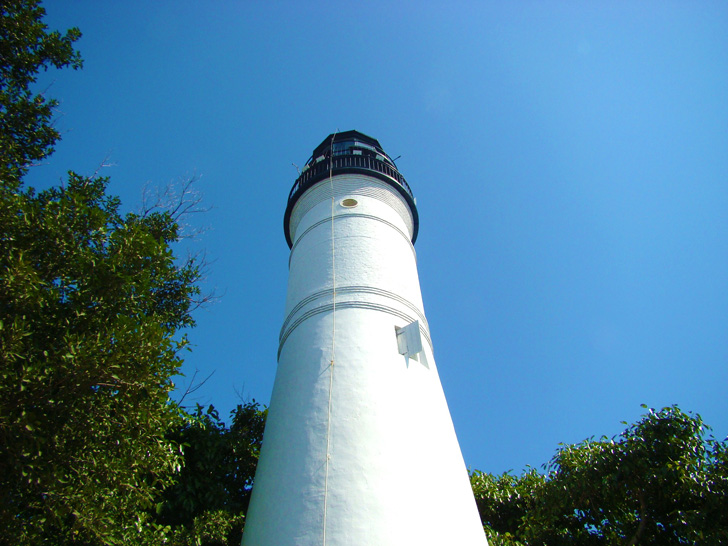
(333, 339)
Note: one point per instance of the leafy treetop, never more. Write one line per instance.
(26, 47)
(659, 482)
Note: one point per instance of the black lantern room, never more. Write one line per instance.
(349, 152)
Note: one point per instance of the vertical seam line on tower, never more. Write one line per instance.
(333, 339)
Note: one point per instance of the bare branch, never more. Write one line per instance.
(192, 387)
(240, 393)
(198, 260)
(180, 199)
(106, 162)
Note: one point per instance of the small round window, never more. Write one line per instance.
(349, 203)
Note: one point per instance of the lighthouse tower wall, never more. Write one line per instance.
(359, 447)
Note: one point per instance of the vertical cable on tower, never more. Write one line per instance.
(333, 338)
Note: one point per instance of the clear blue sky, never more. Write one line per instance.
(570, 162)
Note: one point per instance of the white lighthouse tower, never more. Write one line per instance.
(359, 447)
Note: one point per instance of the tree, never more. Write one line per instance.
(92, 305)
(206, 507)
(504, 501)
(26, 133)
(659, 482)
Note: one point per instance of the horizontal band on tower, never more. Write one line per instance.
(351, 185)
(348, 290)
(354, 305)
(327, 221)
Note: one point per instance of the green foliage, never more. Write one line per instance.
(210, 528)
(503, 501)
(26, 46)
(208, 503)
(659, 482)
(90, 305)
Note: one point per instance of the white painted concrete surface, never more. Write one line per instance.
(362, 452)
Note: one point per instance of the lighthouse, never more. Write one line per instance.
(359, 446)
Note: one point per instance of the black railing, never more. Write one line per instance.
(346, 161)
